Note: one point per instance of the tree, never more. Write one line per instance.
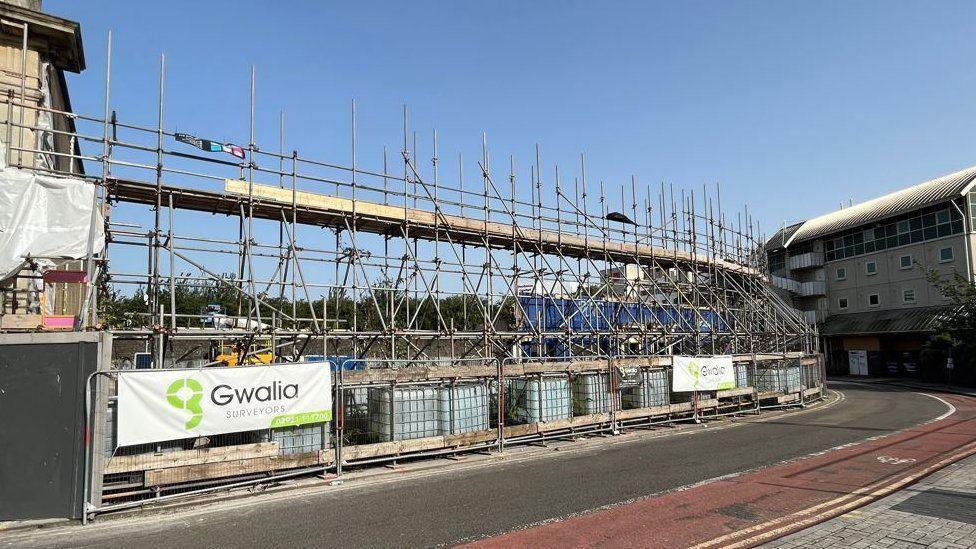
(955, 329)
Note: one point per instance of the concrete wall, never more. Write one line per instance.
(891, 279)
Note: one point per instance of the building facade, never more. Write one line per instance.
(37, 133)
(862, 273)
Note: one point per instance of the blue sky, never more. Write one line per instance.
(793, 107)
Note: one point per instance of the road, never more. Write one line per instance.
(479, 502)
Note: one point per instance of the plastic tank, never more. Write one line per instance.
(654, 390)
(532, 403)
(403, 413)
(462, 409)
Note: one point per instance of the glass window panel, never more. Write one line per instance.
(943, 216)
(859, 249)
(931, 232)
(892, 241)
(928, 220)
(917, 236)
(869, 247)
(858, 238)
(903, 227)
(903, 239)
(915, 223)
(945, 229)
(957, 226)
(848, 240)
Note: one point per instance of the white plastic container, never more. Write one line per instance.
(403, 413)
(463, 409)
(532, 404)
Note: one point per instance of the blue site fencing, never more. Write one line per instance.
(580, 314)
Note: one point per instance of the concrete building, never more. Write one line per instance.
(860, 273)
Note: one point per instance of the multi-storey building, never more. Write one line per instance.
(860, 273)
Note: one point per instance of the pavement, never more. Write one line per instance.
(815, 455)
(939, 513)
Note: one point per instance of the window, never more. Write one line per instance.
(842, 303)
(871, 267)
(874, 300)
(908, 295)
(906, 261)
(841, 273)
(907, 229)
(945, 254)
(972, 210)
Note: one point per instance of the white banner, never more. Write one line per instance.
(702, 373)
(158, 405)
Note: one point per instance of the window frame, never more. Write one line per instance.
(838, 271)
(952, 254)
(842, 303)
(904, 295)
(901, 262)
(868, 271)
(877, 298)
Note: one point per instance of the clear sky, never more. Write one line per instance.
(793, 107)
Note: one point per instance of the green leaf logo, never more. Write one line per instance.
(175, 395)
(693, 371)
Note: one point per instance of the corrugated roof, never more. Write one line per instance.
(919, 196)
(918, 319)
(782, 236)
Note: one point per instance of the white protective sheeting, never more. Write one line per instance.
(45, 217)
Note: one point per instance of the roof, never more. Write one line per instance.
(918, 319)
(781, 237)
(61, 36)
(919, 196)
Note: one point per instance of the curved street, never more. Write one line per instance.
(475, 503)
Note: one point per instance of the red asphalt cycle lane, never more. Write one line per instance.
(757, 507)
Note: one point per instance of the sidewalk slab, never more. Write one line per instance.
(938, 512)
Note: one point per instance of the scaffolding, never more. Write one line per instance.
(400, 274)
(537, 266)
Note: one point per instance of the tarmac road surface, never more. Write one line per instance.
(481, 502)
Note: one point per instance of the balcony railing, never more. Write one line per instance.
(807, 260)
(787, 284)
(814, 287)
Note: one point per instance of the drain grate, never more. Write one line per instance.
(944, 504)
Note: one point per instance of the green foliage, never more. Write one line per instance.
(384, 307)
(955, 332)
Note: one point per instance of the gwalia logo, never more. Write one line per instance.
(223, 395)
(185, 394)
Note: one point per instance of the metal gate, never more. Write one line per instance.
(42, 432)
